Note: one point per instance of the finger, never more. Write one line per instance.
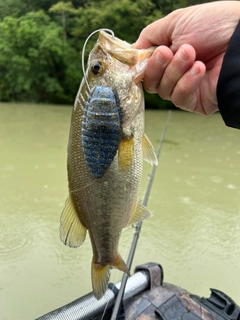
(156, 33)
(156, 67)
(186, 94)
(181, 62)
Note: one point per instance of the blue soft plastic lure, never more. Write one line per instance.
(101, 129)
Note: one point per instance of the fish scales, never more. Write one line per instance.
(101, 129)
(103, 202)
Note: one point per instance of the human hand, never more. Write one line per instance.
(192, 42)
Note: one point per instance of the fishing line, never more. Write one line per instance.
(139, 225)
(83, 51)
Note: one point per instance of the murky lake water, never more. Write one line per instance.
(194, 232)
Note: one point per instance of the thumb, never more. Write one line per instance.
(156, 34)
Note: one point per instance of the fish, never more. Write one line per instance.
(106, 149)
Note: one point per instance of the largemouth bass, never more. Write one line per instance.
(106, 147)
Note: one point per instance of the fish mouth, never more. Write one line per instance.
(119, 49)
(114, 41)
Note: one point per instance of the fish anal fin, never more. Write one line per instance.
(72, 231)
(149, 154)
(140, 213)
(125, 152)
(119, 263)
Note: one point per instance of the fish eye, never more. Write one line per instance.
(97, 67)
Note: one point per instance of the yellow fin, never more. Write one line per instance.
(120, 264)
(140, 213)
(101, 274)
(125, 152)
(72, 231)
(149, 154)
(100, 277)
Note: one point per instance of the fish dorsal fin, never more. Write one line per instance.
(149, 154)
(140, 213)
(72, 231)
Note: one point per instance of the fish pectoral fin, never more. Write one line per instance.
(101, 274)
(140, 213)
(72, 231)
(149, 154)
(125, 152)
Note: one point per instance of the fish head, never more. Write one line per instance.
(117, 64)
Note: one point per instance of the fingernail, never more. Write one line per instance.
(194, 70)
(160, 58)
(183, 55)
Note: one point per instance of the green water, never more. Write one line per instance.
(194, 232)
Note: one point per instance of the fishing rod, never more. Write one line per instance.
(118, 302)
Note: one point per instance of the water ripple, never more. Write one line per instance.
(14, 244)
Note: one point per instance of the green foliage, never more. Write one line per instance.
(12, 8)
(125, 17)
(41, 40)
(62, 7)
(32, 59)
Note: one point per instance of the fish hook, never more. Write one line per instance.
(83, 51)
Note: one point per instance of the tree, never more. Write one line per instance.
(17, 8)
(126, 17)
(12, 8)
(64, 9)
(32, 57)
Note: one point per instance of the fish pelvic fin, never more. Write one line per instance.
(140, 213)
(101, 274)
(125, 152)
(72, 231)
(149, 154)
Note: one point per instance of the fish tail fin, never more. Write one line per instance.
(100, 277)
(101, 274)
